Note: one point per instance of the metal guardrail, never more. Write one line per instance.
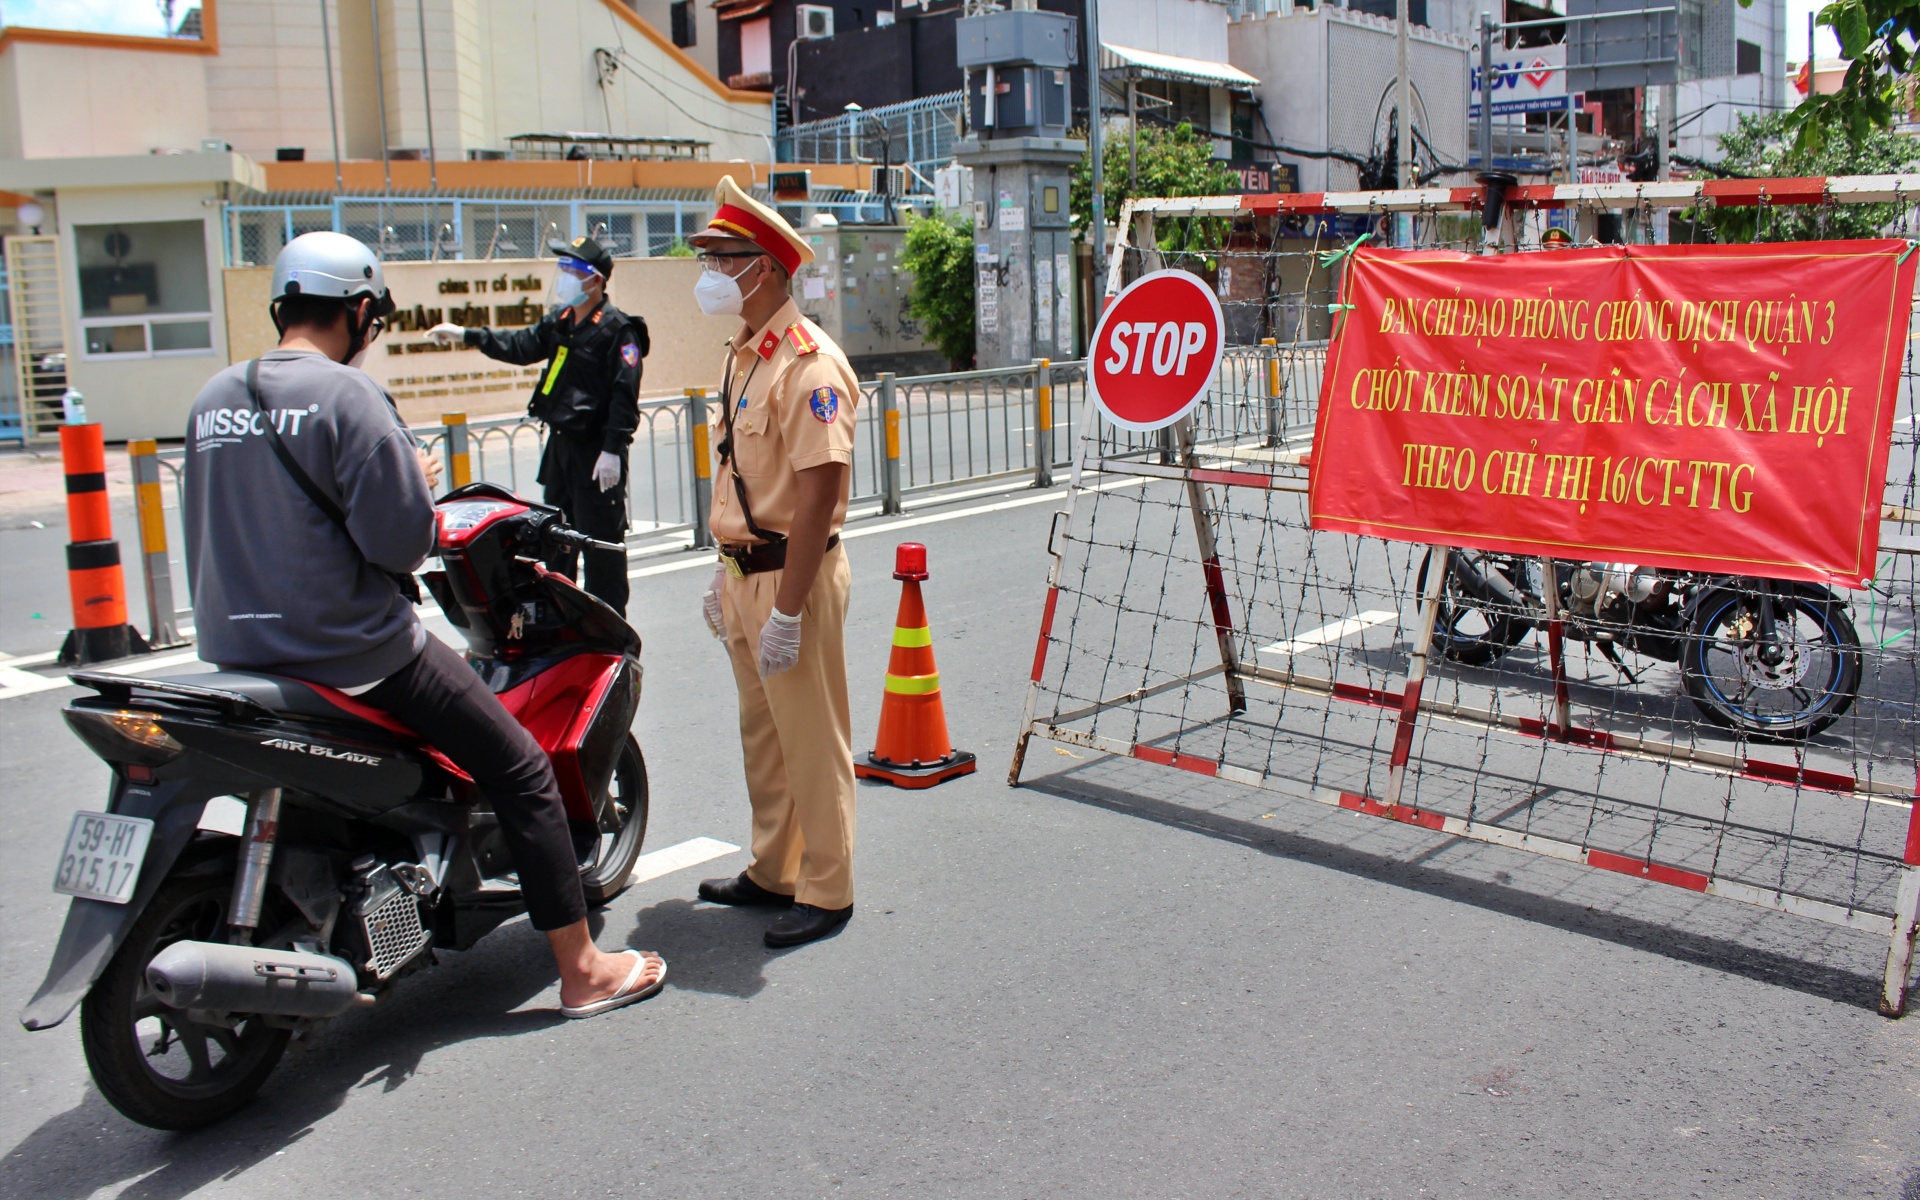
(917, 134)
(917, 434)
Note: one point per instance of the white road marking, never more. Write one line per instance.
(1331, 633)
(140, 666)
(15, 682)
(678, 858)
(1055, 496)
(224, 814)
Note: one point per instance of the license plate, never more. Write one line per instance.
(103, 856)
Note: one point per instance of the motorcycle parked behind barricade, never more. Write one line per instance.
(1771, 659)
(195, 956)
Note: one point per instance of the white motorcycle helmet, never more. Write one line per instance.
(332, 266)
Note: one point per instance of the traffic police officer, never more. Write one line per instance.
(588, 398)
(779, 599)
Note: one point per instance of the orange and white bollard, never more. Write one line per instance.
(95, 582)
(912, 749)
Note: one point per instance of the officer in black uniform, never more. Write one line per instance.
(588, 398)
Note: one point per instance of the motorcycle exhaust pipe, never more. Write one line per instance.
(244, 979)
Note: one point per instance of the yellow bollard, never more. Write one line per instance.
(459, 456)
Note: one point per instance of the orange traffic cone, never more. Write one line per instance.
(912, 749)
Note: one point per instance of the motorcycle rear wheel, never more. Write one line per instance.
(1472, 626)
(623, 827)
(152, 1062)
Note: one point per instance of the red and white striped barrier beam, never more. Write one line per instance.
(1498, 835)
(1719, 193)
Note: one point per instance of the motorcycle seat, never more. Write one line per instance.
(293, 697)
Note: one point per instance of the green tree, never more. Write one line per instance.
(1766, 146)
(1169, 162)
(1878, 39)
(939, 256)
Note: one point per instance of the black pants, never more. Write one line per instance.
(441, 698)
(566, 472)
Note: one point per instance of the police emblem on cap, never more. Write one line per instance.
(630, 354)
(826, 404)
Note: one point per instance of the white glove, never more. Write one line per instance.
(779, 643)
(710, 604)
(446, 333)
(606, 470)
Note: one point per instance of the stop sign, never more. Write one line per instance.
(1155, 350)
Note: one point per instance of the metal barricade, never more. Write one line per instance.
(919, 434)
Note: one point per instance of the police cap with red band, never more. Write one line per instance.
(742, 217)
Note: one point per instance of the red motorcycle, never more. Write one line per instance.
(195, 955)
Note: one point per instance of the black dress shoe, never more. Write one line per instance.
(741, 891)
(805, 923)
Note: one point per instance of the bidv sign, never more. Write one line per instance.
(1155, 350)
(1525, 80)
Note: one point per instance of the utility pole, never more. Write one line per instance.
(1095, 145)
(333, 108)
(426, 94)
(1403, 103)
(1663, 165)
(1486, 91)
(380, 93)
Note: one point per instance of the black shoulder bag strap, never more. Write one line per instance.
(408, 585)
(726, 449)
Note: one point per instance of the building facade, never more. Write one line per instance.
(140, 170)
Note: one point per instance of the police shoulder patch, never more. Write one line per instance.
(630, 353)
(825, 403)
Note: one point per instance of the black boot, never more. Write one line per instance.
(741, 891)
(805, 923)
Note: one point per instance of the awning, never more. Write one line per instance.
(735, 10)
(1130, 63)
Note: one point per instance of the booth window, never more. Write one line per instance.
(144, 291)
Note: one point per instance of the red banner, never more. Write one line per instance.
(1707, 408)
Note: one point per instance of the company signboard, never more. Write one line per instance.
(1524, 81)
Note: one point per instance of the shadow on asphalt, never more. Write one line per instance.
(469, 997)
(708, 947)
(1720, 954)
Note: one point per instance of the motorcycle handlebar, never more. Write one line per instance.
(579, 541)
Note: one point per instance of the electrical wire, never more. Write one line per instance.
(638, 70)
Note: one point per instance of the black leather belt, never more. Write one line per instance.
(742, 561)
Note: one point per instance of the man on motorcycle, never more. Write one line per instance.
(307, 508)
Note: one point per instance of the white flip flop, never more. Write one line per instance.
(624, 996)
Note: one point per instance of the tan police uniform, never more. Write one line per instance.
(791, 396)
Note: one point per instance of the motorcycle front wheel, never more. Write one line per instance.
(622, 820)
(1791, 688)
(153, 1063)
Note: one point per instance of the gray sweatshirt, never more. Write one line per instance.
(277, 586)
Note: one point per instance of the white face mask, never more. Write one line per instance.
(718, 294)
(566, 292)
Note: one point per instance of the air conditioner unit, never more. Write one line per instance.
(888, 181)
(813, 21)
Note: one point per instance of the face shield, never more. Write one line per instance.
(569, 283)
